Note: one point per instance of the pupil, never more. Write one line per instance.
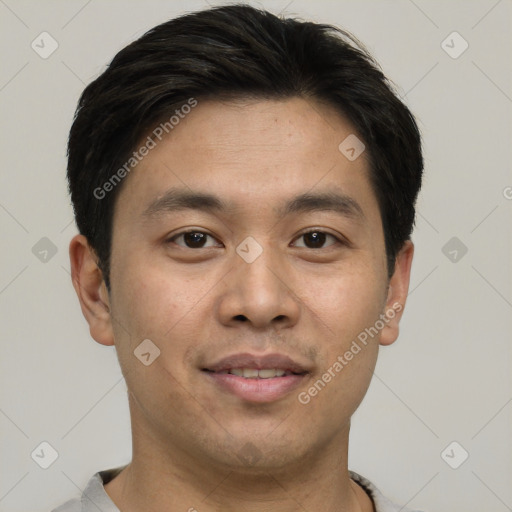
(317, 238)
(194, 239)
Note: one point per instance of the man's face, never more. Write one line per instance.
(247, 283)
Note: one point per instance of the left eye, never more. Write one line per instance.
(315, 239)
(192, 239)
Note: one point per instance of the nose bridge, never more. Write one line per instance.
(257, 287)
(262, 275)
(259, 269)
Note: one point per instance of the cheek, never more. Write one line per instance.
(347, 301)
(152, 299)
(160, 303)
(151, 304)
(345, 310)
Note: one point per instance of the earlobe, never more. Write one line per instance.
(90, 288)
(397, 293)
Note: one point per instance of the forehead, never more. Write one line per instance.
(250, 154)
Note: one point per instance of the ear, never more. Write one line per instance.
(91, 290)
(397, 293)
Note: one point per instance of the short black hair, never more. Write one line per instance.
(241, 52)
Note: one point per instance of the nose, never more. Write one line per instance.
(260, 293)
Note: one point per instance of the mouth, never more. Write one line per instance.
(255, 373)
(257, 379)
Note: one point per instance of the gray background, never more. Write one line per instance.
(447, 378)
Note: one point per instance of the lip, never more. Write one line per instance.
(257, 390)
(263, 362)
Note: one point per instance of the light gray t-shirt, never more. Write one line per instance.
(94, 496)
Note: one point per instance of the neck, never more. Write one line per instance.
(162, 476)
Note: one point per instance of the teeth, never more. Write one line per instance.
(250, 373)
(267, 374)
(254, 373)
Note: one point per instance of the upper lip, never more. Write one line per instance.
(262, 362)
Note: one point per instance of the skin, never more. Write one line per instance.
(201, 304)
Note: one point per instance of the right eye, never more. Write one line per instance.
(192, 239)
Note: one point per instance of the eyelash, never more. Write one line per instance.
(338, 240)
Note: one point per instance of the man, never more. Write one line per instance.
(244, 187)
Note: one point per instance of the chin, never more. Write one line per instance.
(257, 453)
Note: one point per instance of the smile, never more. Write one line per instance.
(255, 373)
(259, 379)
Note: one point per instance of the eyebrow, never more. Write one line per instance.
(177, 199)
(326, 201)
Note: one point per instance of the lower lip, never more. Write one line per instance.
(256, 390)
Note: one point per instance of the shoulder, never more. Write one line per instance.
(382, 504)
(94, 496)
(73, 505)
